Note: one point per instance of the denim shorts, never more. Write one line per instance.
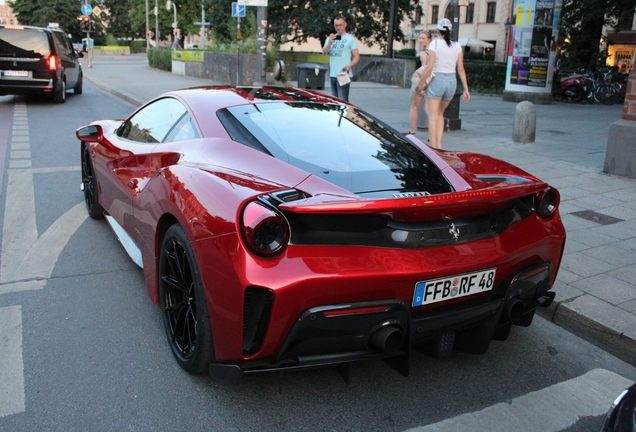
(443, 86)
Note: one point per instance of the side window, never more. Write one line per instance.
(60, 43)
(183, 130)
(153, 122)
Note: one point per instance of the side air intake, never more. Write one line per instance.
(257, 309)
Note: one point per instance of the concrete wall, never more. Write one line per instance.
(222, 67)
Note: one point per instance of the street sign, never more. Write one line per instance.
(87, 9)
(97, 10)
(238, 10)
(262, 3)
(201, 23)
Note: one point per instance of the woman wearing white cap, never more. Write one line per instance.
(445, 57)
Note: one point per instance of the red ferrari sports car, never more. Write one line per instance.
(280, 228)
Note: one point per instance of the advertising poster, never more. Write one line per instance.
(533, 39)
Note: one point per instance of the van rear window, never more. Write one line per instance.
(23, 43)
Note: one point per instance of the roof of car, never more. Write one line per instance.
(217, 97)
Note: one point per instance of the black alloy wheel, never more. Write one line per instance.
(94, 209)
(185, 314)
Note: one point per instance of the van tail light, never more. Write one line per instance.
(546, 202)
(52, 63)
(265, 231)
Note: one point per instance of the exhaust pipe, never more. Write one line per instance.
(513, 310)
(388, 339)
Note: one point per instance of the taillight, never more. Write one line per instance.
(265, 231)
(546, 203)
(53, 63)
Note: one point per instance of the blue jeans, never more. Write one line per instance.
(339, 91)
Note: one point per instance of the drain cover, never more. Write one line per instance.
(599, 218)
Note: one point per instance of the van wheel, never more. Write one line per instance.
(60, 97)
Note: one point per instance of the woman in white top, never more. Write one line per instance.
(445, 56)
(418, 97)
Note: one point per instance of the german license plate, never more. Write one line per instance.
(15, 73)
(437, 290)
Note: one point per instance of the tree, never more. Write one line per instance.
(582, 23)
(295, 21)
(117, 18)
(42, 12)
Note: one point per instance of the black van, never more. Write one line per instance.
(35, 60)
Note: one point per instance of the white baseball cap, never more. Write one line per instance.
(444, 24)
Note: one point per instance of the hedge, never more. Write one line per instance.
(160, 58)
(485, 76)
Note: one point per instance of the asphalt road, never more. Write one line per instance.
(83, 348)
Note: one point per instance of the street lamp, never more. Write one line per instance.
(175, 23)
(508, 25)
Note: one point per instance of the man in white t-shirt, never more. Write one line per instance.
(343, 56)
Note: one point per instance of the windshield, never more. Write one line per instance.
(340, 144)
(23, 42)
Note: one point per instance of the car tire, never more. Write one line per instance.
(78, 89)
(183, 303)
(94, 209)
(60, 96)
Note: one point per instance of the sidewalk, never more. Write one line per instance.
(596, 285)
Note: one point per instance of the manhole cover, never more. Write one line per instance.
(599, 218)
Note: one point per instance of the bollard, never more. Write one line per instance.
(525, 123)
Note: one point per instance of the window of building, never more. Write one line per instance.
(434, 14)
(490, 12)
(470, 13)
(418, 15)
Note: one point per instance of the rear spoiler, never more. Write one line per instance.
(452, 204)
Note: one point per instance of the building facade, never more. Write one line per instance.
(6, 14)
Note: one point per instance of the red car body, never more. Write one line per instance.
(340, 283)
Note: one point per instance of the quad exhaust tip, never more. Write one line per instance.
(388, 339)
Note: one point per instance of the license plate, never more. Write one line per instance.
(437, 290)
(15, 73)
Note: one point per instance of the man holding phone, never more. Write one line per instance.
(343, 56)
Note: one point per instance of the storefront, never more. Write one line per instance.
(620, 50)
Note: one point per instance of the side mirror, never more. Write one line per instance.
(80, 55)
(90, 133)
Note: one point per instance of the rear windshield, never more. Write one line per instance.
(25, 43)
(338, 143)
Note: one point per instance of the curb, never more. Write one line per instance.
(130, 98)
(612, 329)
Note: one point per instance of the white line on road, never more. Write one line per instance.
(550, 409)
(12, 399)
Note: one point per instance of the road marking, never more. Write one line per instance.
(550, 409)
(19, 231)
(40, 260)
(12, 400)
(24, 255)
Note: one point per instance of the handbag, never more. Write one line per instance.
(415, 78)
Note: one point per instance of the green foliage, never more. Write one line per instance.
(485, 76)
(117, 19)
(224, 27)
(160, 58)
(111, 40)
(296, 20)
(137, 46)
(406, 53)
